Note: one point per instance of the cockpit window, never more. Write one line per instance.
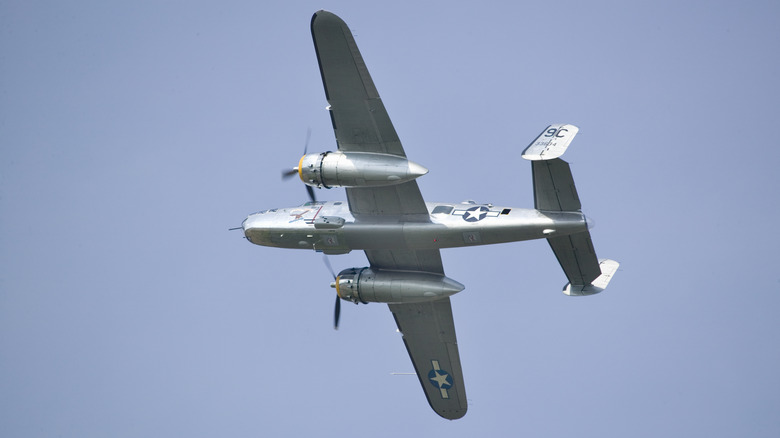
(442, 209)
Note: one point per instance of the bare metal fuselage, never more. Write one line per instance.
(330, 227)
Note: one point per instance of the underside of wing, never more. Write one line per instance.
(429, 336)
(428, 332)
(428, 260)
(360, 120)
(403, 202)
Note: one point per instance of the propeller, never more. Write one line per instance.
(337, 309)
(287, 174)
(310, 191)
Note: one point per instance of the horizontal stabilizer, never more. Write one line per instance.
(554, 188)
(551, 143)
(608, 268)
(577, 257)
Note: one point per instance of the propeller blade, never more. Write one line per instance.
(306, 145)
(327, 265)
(337, 313)
(310, 191)
(287, 174)
(337, 308)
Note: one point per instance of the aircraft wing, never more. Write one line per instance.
(429, 336)
(360, 120)
(428, 333)
(361, 124)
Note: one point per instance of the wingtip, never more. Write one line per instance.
(322, 13)
(453, 415)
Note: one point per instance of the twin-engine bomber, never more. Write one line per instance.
(402, 235)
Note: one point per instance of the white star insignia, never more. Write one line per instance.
(475, 214)
(441, 379)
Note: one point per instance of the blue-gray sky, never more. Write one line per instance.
(134, 134)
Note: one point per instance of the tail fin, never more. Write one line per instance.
(554, 190)
(553, 185)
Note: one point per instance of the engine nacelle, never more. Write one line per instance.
(357, 169)
(365, 285)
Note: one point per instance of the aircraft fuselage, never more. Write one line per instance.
(331, 228)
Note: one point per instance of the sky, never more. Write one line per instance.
(133, 135)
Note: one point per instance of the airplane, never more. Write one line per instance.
(402, 235)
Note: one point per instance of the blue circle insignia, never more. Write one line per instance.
(475, 214)
(440, 379)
